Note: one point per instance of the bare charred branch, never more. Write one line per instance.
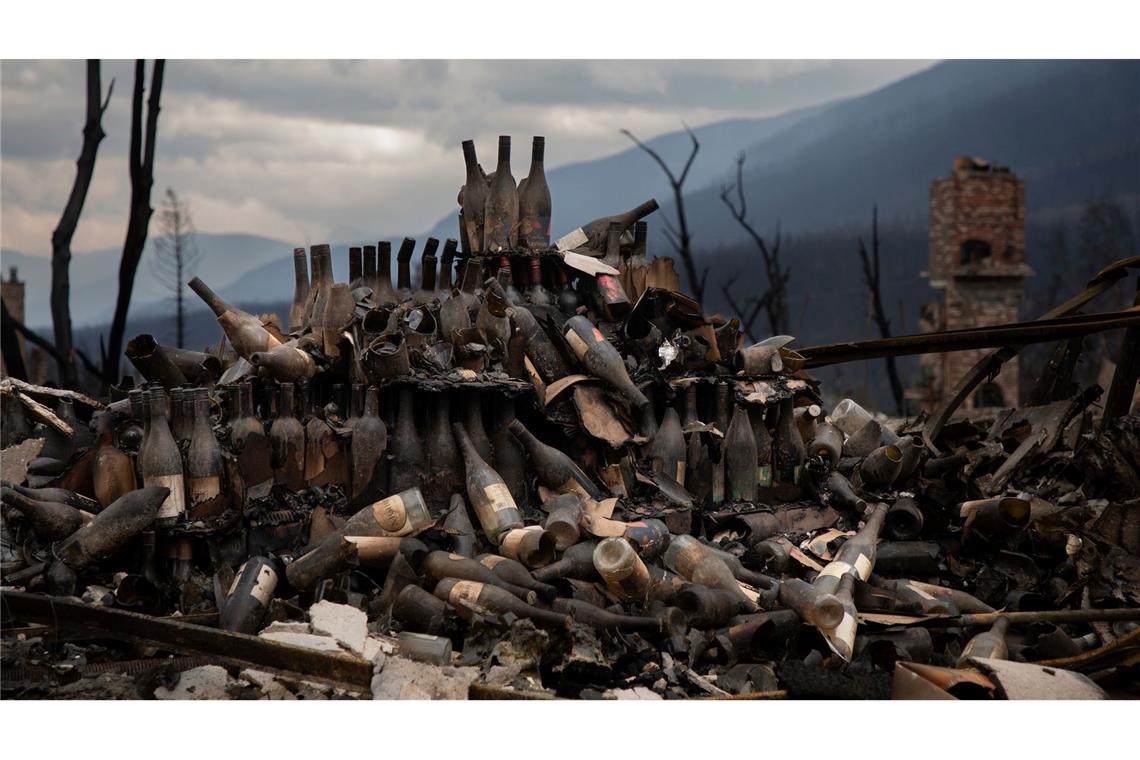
(873, 281)
(774, 299)
(141, 160)
(679, 236)
(64, 232)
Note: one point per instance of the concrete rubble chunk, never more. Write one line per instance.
(307, 640)
(268, 683)
(401, 678)
(287, 626)
(637, 692)
(378, 645)
(346, 624)
(205, 682)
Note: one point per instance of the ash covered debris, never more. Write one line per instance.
(543, 472)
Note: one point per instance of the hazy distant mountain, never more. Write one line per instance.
(95, 275)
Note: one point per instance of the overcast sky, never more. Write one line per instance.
(306, 151)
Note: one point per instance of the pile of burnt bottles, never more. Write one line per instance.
(555, 437)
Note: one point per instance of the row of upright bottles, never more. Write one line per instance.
(526, 279)
(497, 215)
(758, 447)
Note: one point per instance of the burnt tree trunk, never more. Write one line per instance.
(874, 286)
(141, 160)
(61, 238)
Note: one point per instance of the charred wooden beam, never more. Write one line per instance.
(236, 649)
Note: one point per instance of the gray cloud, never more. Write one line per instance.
(312, 150)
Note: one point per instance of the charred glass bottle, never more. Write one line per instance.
(408, 458)
(204, 459)
(369, 440)
(763, 446)
(534, 201)
(355, 267)
(989, 644)
(368, 277)
(740, 458)
(790, 448)
(509, 456)
(445, 474)
(385, 293)
(856, 555)
(475, 192)
(622, 570)
(516, 573)
(113, 528)
(536, 294)
(446, 269)
(248, 598)
(470, 596)
(112, 473)
(50, 520)
(494, 506)
(245, 331)
(601, 359)
(161, 463)
(404, 269)
(666, 453)
(472, 414)
(439, 565)
(428, 262)
(575, 562)
(501, 219)
(593, 234)
(401, 514)
(287, 442)
(553, 468)
(300, 291)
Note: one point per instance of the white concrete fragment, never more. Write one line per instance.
(346, 624)
(377, 645)
(401, 678)
(268, 683)
(287, 626)
(205, 682)
(307, 640)
(637, 692)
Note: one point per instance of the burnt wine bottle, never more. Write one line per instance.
(475, 192)
(501, 218)
(534, 202)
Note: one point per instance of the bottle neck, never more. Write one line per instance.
(633, 215)
(504, 156)
(300, 271)
(216, 304)
(472, 162)
(384, 263)
(470, 455)
(372, 403)
(202, 410)
(369, 263)
(355, 263)
(446, 263)
(427, 273)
